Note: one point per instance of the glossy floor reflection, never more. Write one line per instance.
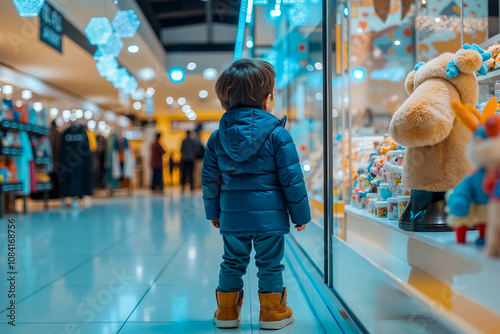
(144, 264)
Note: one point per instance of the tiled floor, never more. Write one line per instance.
(145, 264)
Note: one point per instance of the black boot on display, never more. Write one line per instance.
(425, 212)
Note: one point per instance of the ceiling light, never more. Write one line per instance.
(73, 117)
(19, 103)
(210, 73)
(79, 113)
(54, 112)
(203, 94)
(170, 100)
(66, 113)
(437, 19)
(60, 121)
(137, 105)
(150, 92)
(397, 42)
(102, 126)
(249, 44)
(181, 101)
(318, 66)
(38, 106)
(147, 73)
(88, 114)
(193, 117)
(185, 108)
(138, 94)
(191, 66)
(133, 48)
(26, 94)
(177, 75)
(91, 125)
(7, 89)
(310, 68)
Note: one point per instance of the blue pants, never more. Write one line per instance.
(269, 251)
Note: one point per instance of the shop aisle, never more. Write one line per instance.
(145, 264)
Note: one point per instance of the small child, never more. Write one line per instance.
(252, 181)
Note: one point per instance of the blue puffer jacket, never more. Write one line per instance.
(252, 178)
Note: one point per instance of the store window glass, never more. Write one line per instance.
(296, 54)
(392, 279)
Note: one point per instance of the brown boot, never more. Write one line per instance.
(274, 313)
(227, 314)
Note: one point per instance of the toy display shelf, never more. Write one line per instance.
(38, 130)
(459, 282)
(490, 41)
(42, 160)
(490, 78)
(11, 151)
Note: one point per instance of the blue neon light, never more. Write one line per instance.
(177, 75)
(240, 35)
(359, 73)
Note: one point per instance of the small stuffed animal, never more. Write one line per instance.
(497, 62)
(490, 64)
(388, 145)
(494, 50)
(474, 199)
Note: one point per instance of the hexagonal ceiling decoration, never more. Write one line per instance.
(126, 23)
(29, 8)
(99, 30)
(112, 47)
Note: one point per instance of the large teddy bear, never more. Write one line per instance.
(426, 124)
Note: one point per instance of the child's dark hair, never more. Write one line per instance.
(246, 83)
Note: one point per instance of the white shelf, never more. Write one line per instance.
(430, 266)
(490, 41)
(490, 78)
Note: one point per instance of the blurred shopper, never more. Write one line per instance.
(200, 153)
(252, 182)
(171, 167)
(188, 151)
(157, 153)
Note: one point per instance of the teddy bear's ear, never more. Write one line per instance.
(468, 60)
(410, 83)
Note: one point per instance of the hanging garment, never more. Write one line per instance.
(33, 169)
(47, 149)
(122, 164)
(23, 163)
(92, 140)
(54, 142)
(111, 182)
(76, 163)
(99, 158)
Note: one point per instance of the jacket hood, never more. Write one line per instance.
(243, 131)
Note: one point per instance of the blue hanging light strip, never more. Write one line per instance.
(240, 35)
(29, 8)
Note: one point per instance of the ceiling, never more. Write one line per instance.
(74, 70)
(198, 18)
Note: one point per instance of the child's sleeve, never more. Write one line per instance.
(211, 181)
(291, 178)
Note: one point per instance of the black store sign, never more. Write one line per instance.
(51, 27)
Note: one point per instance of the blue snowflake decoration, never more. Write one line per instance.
(126, 23)
(107, 66)
(29, 8)
(120, 78)
(113, 47)
(97, 55)
(131, 85)
(98, 30)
